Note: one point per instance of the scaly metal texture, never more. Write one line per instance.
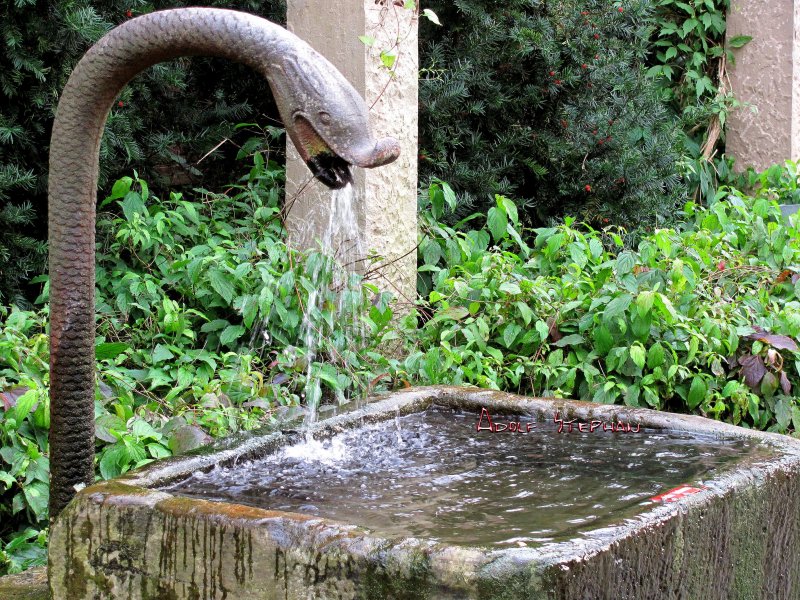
(324, 116)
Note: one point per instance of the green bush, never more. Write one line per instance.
(704, 318)
(548, 102)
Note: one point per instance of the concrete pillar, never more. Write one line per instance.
(386, 197)
(766, 76)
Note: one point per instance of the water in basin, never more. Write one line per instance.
(432, 475)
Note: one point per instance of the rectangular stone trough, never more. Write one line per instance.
(533, 498)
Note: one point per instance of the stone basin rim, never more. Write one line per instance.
(137, 487)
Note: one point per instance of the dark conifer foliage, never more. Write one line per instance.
(547, 101)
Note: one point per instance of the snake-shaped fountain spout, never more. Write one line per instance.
(324, 116)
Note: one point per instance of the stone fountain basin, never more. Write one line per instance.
(737, 538)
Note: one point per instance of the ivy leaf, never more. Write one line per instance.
(367, 40)
(739, 41)
(432, 16)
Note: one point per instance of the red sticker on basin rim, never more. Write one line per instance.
(677, 493)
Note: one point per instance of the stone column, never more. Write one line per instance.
(385, 198)
(765, 76)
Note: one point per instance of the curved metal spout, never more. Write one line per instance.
(324, 117)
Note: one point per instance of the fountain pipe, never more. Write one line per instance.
(324, 117)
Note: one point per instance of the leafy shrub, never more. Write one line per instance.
(212, 302)
(548, 102)
(702, 319)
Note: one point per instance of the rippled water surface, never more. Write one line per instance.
(433, 475)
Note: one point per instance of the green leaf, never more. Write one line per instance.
(525, 312)
(783, 412)
(24, 405)
(231, 334)
(644, 302)
(697, 392)
(456, 313)
(222, 284)
(603, 340)
(542, 329)
(132, 205)
(388, 58)
(625, 263)
(510, 334)
(109, 350)
(510, 288)
(161, 353)
(367, 40)
(497, 222)
(739, 41)
(36, 496)
(570, 340)
(637, 354)
(617, 307)
(655, 356)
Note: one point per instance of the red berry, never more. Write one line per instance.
(600, 142)
(120, 104)
(597, 36)
(594, 132)
(552, 73)
(721, 265)
(564, 123)
(588, 188)
(596, 56)
(585, 12)
(129, 14)
(584, 66)
(558, 82)
(620, 9)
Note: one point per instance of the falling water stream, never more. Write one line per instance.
(342, 245)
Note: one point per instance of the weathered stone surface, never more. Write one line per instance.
(735, 540)
(30, 585)
(765, 77)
